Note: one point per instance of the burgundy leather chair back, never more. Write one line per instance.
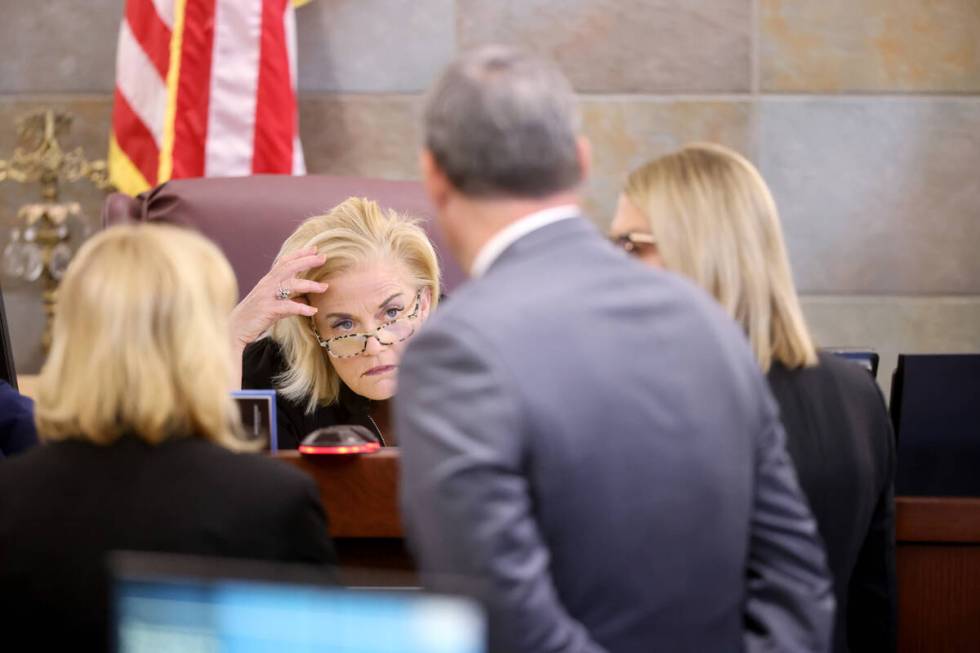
(250, 217)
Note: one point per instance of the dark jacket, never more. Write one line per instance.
(840, 439)
(63, 506)
(263, 361)
(17, 431)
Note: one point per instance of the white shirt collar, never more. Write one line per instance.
(516, 230)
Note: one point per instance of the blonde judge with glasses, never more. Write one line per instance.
(134, 410)
(327, 325)
(706, 213)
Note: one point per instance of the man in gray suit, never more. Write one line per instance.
(589, 437)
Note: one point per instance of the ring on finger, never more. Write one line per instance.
(283, 292)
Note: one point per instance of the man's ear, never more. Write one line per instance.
(436, 184)
(584, 148)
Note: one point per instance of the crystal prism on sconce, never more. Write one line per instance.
(39, 243)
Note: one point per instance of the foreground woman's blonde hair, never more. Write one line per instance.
(715, 221)
(141, 342)
(354, 232)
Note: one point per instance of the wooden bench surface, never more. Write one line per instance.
(360, 492)
(938, 540)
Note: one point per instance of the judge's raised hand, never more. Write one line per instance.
(280, 293)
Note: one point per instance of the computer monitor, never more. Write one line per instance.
(258, 411)
(935, 409)
(179, 603)
(866, 358)
(7, 371)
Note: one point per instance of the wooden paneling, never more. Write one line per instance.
(938, 548)
(360, 493)
(938, 519)
(938, 574)
(938, 598)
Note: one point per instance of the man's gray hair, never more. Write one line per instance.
(503, 123)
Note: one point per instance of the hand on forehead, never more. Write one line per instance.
(364, 290)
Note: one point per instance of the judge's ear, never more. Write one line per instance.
(425, 303)
(436, 183)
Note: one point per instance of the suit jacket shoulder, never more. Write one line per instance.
(64, 506)
(571, 407)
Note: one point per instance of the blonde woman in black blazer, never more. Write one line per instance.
(706, 213)
(134, 409)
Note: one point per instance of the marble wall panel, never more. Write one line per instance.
(626, 132)
(895, 325)
(370, 135)
(343, 45)
(877, 196)
(363, 46)
(624, 46)
(59, 46)
(870, 45)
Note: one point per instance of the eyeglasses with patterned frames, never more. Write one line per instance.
(354, 344)
(633, 242)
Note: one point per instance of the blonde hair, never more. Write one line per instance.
(354, 232)
(715, 221)
(141, 341)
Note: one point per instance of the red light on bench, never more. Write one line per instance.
(369, 447)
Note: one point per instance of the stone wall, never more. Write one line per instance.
(864, 116)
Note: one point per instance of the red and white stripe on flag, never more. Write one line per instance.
(204, 88)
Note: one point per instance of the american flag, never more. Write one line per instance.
(204, 88)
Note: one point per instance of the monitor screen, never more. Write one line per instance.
(171, 611)
(7, 371)
(258, 411)
(866, 358)
(936, 417)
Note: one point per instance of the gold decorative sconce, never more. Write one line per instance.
(39, 245)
